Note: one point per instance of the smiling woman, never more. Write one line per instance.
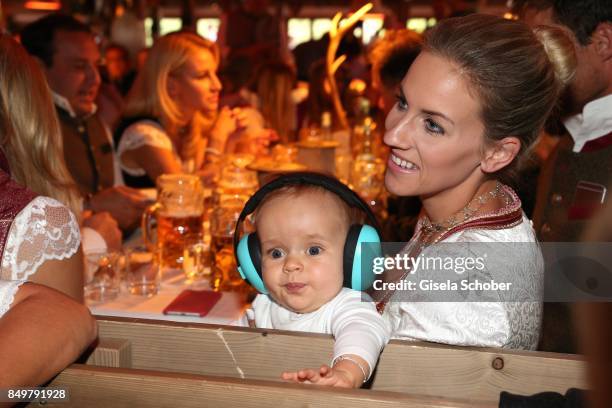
(175, 90)
(433, 131)
(172, 118)
(469, 108)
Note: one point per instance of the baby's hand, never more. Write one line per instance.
(326, 375)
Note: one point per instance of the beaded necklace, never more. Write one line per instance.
(464, 214)
(440, 229)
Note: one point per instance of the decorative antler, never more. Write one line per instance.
(336, 33)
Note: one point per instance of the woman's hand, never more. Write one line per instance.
(245, 117)
(241, 130)
(338, 376)
(124, 204)
(264, 138)
(209, 173)
(228, 123)
(255, 138)
(258, 142)
(105, 225)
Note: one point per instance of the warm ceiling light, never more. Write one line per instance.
(510, 16)
(42, 5)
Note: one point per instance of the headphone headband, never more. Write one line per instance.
(305, 178)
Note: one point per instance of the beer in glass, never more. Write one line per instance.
(179, 214)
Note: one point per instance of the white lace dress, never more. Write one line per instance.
(43, 230)
(513, 325)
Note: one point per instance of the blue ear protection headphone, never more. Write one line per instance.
(248, 249)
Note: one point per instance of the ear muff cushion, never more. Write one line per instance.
(349, 254)
(255, 252)
(362, 274)
(248, 254)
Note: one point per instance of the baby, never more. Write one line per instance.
(302, 229)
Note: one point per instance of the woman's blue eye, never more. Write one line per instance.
(276, 253)
(433, 127)
(401, 102)
(314, 250)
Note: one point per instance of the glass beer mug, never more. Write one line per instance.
(236, 177)
(235, 186)
(225, 276)
(179, 213)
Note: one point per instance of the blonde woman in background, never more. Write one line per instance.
(31, 139)
(43, 244)
(42, 329)
(172, 123)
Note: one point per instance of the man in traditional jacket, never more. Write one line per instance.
(572, 184)
(69, 55)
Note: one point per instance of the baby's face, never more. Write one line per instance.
(302, 243)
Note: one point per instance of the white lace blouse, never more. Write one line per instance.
(43, 230)
(143, 133)
(513, 325)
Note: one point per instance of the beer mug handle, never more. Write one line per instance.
(147, 215)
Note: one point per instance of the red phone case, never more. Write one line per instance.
(193, 303)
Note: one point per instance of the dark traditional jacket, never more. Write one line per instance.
(88, 152)
(565, 204)
(571, 189)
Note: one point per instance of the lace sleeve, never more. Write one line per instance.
(143, 133)
(45, 229)
(7, 294)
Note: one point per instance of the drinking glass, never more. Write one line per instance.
(225, 274)
(236, 177)
(142, 271)
(102, 276)
(197, 260)
(367, 176)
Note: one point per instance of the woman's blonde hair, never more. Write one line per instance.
(149, 95)
(30, 135)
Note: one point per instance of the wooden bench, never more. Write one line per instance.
(206, 362)
(104, 387)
